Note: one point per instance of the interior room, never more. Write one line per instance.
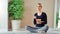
(29, 10)
(24, 13)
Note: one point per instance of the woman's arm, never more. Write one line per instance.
(34, 21)
(44, 19)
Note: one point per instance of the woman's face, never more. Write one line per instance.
(39, 8)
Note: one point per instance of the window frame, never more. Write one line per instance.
(55, 10)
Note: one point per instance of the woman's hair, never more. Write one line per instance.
(40, 5)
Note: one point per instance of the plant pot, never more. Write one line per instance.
(16, 25)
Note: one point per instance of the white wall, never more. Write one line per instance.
(3, 16)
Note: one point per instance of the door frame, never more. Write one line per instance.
(55, 10)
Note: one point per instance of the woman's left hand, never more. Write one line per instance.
(38, 21)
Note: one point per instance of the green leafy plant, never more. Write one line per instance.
(16, 9)
(57, 18)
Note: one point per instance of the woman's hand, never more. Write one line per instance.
(38, 21)
(34, 17)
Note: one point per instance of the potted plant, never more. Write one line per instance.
(15, 12)
(57, 18)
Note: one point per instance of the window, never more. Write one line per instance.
(58, 18)
(57, 7)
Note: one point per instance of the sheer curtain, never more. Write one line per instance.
(3, 16)
(59, 18)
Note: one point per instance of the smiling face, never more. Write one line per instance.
(39, 7)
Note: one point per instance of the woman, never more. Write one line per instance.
(40, 20)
